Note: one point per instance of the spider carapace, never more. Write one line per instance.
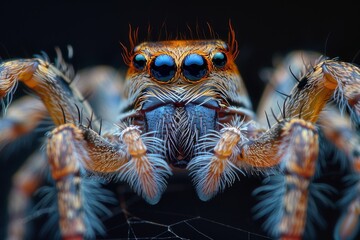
(186, 106)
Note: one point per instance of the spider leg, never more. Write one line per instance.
(330, 80)
(326, 81)
(122, 153)
(22, 117)
(285, 201)
(66, 151)
(280, 81)
(26, 113)
(101, 86)
(129, 156)
(54, 88)
(291, 144)
(72, 148)
(322, 82)
(339, 130)
(24, 183)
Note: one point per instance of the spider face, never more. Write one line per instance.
(183, 90)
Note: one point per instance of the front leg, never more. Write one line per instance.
(294, 146)
(54, 87)
(73, 149)
(291, 145)
(129, 156)
(125, 154)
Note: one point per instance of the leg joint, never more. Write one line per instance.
(65, 150)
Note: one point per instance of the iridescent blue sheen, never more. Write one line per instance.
(163, 68)
(194, 67)
(219, 59)
(139, 61)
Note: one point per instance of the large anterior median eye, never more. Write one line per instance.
(163, 68)
(194, 67)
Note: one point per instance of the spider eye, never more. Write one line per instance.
(163, 68)
(139, 61)
(194, 67)
(219, 59)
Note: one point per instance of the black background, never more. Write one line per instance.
(95, 31)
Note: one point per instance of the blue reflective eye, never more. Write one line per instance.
(163, 68)
(139, 61)
(194, 67)
(219, 59)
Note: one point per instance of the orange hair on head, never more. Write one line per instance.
(199, 34)
(133, 40)
(232, 43)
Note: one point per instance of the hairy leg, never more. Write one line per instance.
(63, 102)
(281, 80)
(72, 148)
(122, 153)
(66, 151)
(336, 126)
(22, 117)
(24, 183)
(326, 81)
(293, 145)
(102, 87)
(340, 131)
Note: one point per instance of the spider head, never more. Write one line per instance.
(183, 89)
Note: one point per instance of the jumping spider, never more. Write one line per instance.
(184, 106)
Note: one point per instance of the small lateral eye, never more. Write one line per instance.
(139, 61)
(219, 59)
(194, 67)
(163, 68)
